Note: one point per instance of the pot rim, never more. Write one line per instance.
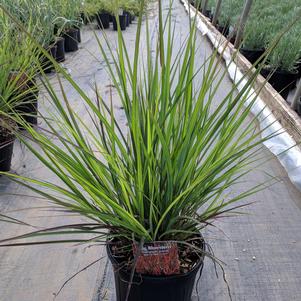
(253, 50)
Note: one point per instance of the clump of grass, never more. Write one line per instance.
(287, 53)
(255, 34)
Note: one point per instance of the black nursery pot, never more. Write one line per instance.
(6, 153)
(122, 22)
(252, 55)
(60, 51)
(28, 106)
(46, 63)
(79, 36)
(71, 40)
(282, 81)
(208, 13)
(150, 288)
(299, 107)
(86, 19)
(128, 21)
(224, 29)
(132, 17)
(103, 20)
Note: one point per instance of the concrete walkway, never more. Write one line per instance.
(262, 250)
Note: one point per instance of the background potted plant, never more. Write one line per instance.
(16, 77)
(254, 42)
(281, 69)
(161, 181)
(88, 11)
(130, 9)
(119, 18)
(68, 22)
(19, 67)
(103, 14)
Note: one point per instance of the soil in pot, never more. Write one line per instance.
(6, 143)
(122, 22)
(252, 55)
(46, 63)
(160, 288)
(71, 40)
(282, 81)
(103, 20)
(60, 51)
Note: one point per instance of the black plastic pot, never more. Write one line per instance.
(153, 288)
(79, 36)
(60, 51)
(231, 38)
(71, 40)
(86, 19)
(6, 153)
(282, 81)
(128, 21)
(55, 29)
(122, 22)
(103, 20)
(132, 18)
(299, 107)
(208, 14)
(46, 63)
(252, 55)
(224, 29)
(28, 106)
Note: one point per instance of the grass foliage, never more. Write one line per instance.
(167, 175)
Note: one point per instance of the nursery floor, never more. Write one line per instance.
(262, 250)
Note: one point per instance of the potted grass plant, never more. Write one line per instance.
(131, 7)
(150, 189)
(43, 30)
(103, 14)
(19, 67)
(128, 6)
(88, 11)
(119, 17)
(68, 22)
(230, 12)
(254, 42)
(281, 69)
(36, 19)
(16, 77)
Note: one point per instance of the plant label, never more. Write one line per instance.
(157, 258)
